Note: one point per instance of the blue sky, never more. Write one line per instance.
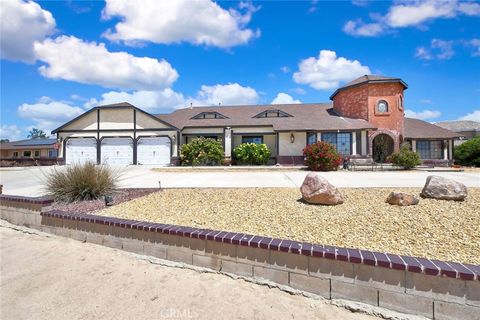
(61, 58)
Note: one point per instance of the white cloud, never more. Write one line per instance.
(11, 132)
(150, 101)
(22, 23)
(283, 98)
(49, 115)
(328, 71)
(298, 90)
(70, 58)
(475, 43)
(423, 115)
(426, 101)
(200, 22)
(359, 28)
(285, 69)
(228, 94)
(439, 49)
(473, 116)
(411, 14)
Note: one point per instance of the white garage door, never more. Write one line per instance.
(153, 150)
(117, 151)
(81, 150)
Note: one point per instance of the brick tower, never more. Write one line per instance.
(379, 100)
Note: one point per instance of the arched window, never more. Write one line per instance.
(382, 106)
(400, 102)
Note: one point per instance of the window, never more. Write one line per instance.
(27, 153)
(341, 141)
(15, 154)
(52, 153)
(311, 138)
(429, 149)
(400, 102)
(209, 115)
(273, 114)
(36, 153)
(252, 139)
(382, 106)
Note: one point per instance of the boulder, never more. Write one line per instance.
(442, 188)
(317, 190)
(402, 199)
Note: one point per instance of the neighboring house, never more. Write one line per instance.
(468, 129)
(366, 119)
(31, 151)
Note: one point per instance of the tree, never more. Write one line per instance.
(37, 134)
(468, 153)
(4, 140)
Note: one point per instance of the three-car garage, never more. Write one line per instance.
(118, 134)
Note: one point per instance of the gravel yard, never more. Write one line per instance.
(444, 230)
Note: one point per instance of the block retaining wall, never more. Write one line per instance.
(431, 288)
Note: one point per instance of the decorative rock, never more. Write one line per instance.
(401, 199)
(317, 190)
(442, 188)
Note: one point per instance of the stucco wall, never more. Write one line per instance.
(9, 153)
(206, 131)
(146, 122)
(87, 122)
(252, 130)
(116, 118)
(287, 148)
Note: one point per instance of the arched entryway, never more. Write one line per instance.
(383, 146)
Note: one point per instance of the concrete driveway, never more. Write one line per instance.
(47, 277)
(30, 181)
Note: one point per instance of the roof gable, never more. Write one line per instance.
(275, 113)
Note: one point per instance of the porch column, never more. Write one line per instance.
(450, 149)
(414, 145)
(364, 142)
(354, 143)
(228, 142)
(319, 136)
(445, 150)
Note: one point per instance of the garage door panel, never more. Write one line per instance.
(117, 151)
(153, 151)
(81, 150)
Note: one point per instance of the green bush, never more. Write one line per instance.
(406, 158)
(251, 154)
(321, 156)
(79, 182)
(468, 153)
(201, 152)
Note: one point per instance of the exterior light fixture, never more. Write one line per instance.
(174, 138)
(292, 137)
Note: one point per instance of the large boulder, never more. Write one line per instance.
(317, 190)
(442, 188)
(401, 199)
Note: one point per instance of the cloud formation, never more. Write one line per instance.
(328, 70)
(201, 22)
(439, 49)
(283, 98)
(423, 115)
(22, 23)
(473, 116)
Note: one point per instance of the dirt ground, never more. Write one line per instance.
(47, 277)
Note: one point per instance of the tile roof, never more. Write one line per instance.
(460, 125)
(368, 79)
(315, 116)
(419, 129)
(22, 144)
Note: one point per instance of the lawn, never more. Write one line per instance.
(444, 230)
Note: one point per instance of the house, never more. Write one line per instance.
(467, 128)
(29, 152)
(366, 119)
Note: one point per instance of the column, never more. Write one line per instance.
(450, 149)
(319, 136)
(354, 143)
(228, 142)
(414, 145)
(445, 150)
(364, 142)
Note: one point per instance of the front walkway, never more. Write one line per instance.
(47, 277)
(29, 181)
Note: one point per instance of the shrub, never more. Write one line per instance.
(406, 158)
(201, 152)
(78, 182)
(468, 153)
(321, 156)
(251, 153)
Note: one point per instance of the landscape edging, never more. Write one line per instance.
(406, 284)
